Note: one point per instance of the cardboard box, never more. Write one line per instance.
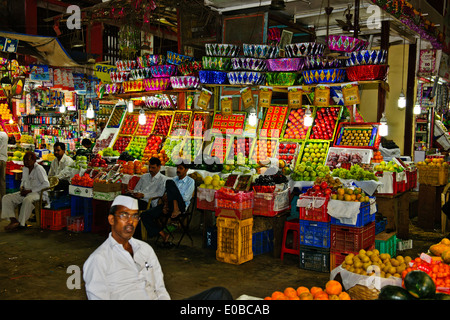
(106, 196)
(107, 187)
(81, 191)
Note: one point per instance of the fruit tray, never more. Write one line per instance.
(325, 123)
(219, 148)
(181, 122)
(223, 123)
(199, 123)
(314, 151)
(264, 149)
(294, 128)
(240, 146)
(288, 152)
(116, 117)
(163, 123)
(146, 129)
(130, 124)
(121, 143)
(357, 135)
(273, 123)
(191, 149)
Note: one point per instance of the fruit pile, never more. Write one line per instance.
(114, 120)
(308, 171)
(315, 152)
(383, 265)
(97, 161)
(152, 149)
(242, 145)
(109, 152)
(136, 147)
(389, 166)
(219, 148)
(442, 249)
(273, 122)
(338, 159)
(437, 162)
(333, 183)
(103, 143)
(264, 149)
(355, 173)
(333, 291)
(324, 123)
(214, 182)
(121, 143)
(84, 181)
(181, 122)
(319, 190)
(144, 130)
(350, 194)
(287, 152)
(172, 147)
(377, 157)
(439, 271)
(356, 137)
(162, 125)
(267, 183)
(198, 124)
(191, 149)
(79, 163)
(416, 285)
(129, 125)
(295, 128)
(134, 167)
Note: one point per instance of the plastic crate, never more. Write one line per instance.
(364, 217)
(380, 225)
(271, 204)
(237, 201)
(315, 233)
(206, 205)
(262, 242)
(75, 224)
(60, 202)
(206, 199)
(234, 214)
(386, 243)
(337, 258)
(80, 206)
(11, 182)
(54, 219)
(314, 259)
(316, 209)
(352, 239)
(234, 240)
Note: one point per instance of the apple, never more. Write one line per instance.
(324, 123)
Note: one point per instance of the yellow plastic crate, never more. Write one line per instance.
(234, 240)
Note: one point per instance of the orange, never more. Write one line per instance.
(306, 296)
(321, 296)
(333, 287)
(278, 295)
(315, 290)
(344, 296)
(294, 298)
(290, 292)
(333, 297)
(300, 290)
(268, 298)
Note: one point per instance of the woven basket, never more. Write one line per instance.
(359, 292)
(433, 176)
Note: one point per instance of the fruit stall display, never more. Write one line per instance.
(288, 152)
(273, 123)
(129, 124)
(12, 129)
(181, 122)
(152, 148)
(199, 124)
(241, 145)
(331, 291)
(264, 149)
(136, 146)
(314, 152)
(191, 148)
(163, 123)
(340, 157)
(121, 143)
(233, 123)
(325, 123)
(219, 148)
(172, 147)
(358, 135)
(295, 129)
(116, 117)
(146, 129)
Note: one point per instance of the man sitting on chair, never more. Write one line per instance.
(176, 200)
(60, 167)
(34, 179)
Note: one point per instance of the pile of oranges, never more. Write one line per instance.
(332, 291)
(377, 157)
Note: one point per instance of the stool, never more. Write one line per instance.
(294, 226)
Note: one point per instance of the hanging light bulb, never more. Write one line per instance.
(252, 117)
(308, 120)
(62, 108)
(401, 100)
(130, 106)
(90, 114)
(142, 117)
(383, 128)
(417, 110)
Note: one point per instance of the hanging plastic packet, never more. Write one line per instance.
(295, 95)
(350, 93)
(322, 95)
(203, 100)
(247, 98)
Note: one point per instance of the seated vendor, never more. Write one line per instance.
(34, 179)
(60, 167)
(85, 149)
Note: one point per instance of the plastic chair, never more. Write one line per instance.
(294, 226)
(38, 205)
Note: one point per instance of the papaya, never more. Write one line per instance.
(391, 292)
(438, 249)
(446, 256)
(420, 285)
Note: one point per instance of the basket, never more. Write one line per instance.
(222, 49)
(190, 68)
(281, 78)
(176, 58)
(234, 240)
(360, 292)
(352, 239)
(216, 63)
(314, 259)
(260, 51)
(323, 76)
(433, 175)
(246, 77)
(158, 84)
(163, 71)
(285, 64)
(320, 62)
(346, 43)
(314, 234)
(249, 64)
(367, 72)
(213, 77)
(54, 219)
(271, 204)
(366, 57)
(304, 49)
(184, 82)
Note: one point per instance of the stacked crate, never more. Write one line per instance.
(351, 238)
(314, 225)
(81, 210)
(234, 221)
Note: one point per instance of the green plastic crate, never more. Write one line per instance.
(386, 243)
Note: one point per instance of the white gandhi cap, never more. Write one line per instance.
(129, 202)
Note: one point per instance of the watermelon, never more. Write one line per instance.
(391, 292)
(442, 296)
(420, 285)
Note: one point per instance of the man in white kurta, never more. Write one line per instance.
(3, 159)
(34, 179)
(60, 166)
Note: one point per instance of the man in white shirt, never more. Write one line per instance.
(124, 268)
(3, 159)
(60, 167)
(34, 179)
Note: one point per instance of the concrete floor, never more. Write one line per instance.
(34, 265)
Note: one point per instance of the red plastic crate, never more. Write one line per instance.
(315, 214)
(234, 213)
(54, 219)
(394, 184)
(337, 258)
(271, 204)
(206, 205)
(352, 239)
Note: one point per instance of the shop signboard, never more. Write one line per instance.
(39, 72)
(8, 45)
(102, 72)
(427, 62)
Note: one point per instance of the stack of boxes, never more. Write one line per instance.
(81, 213)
